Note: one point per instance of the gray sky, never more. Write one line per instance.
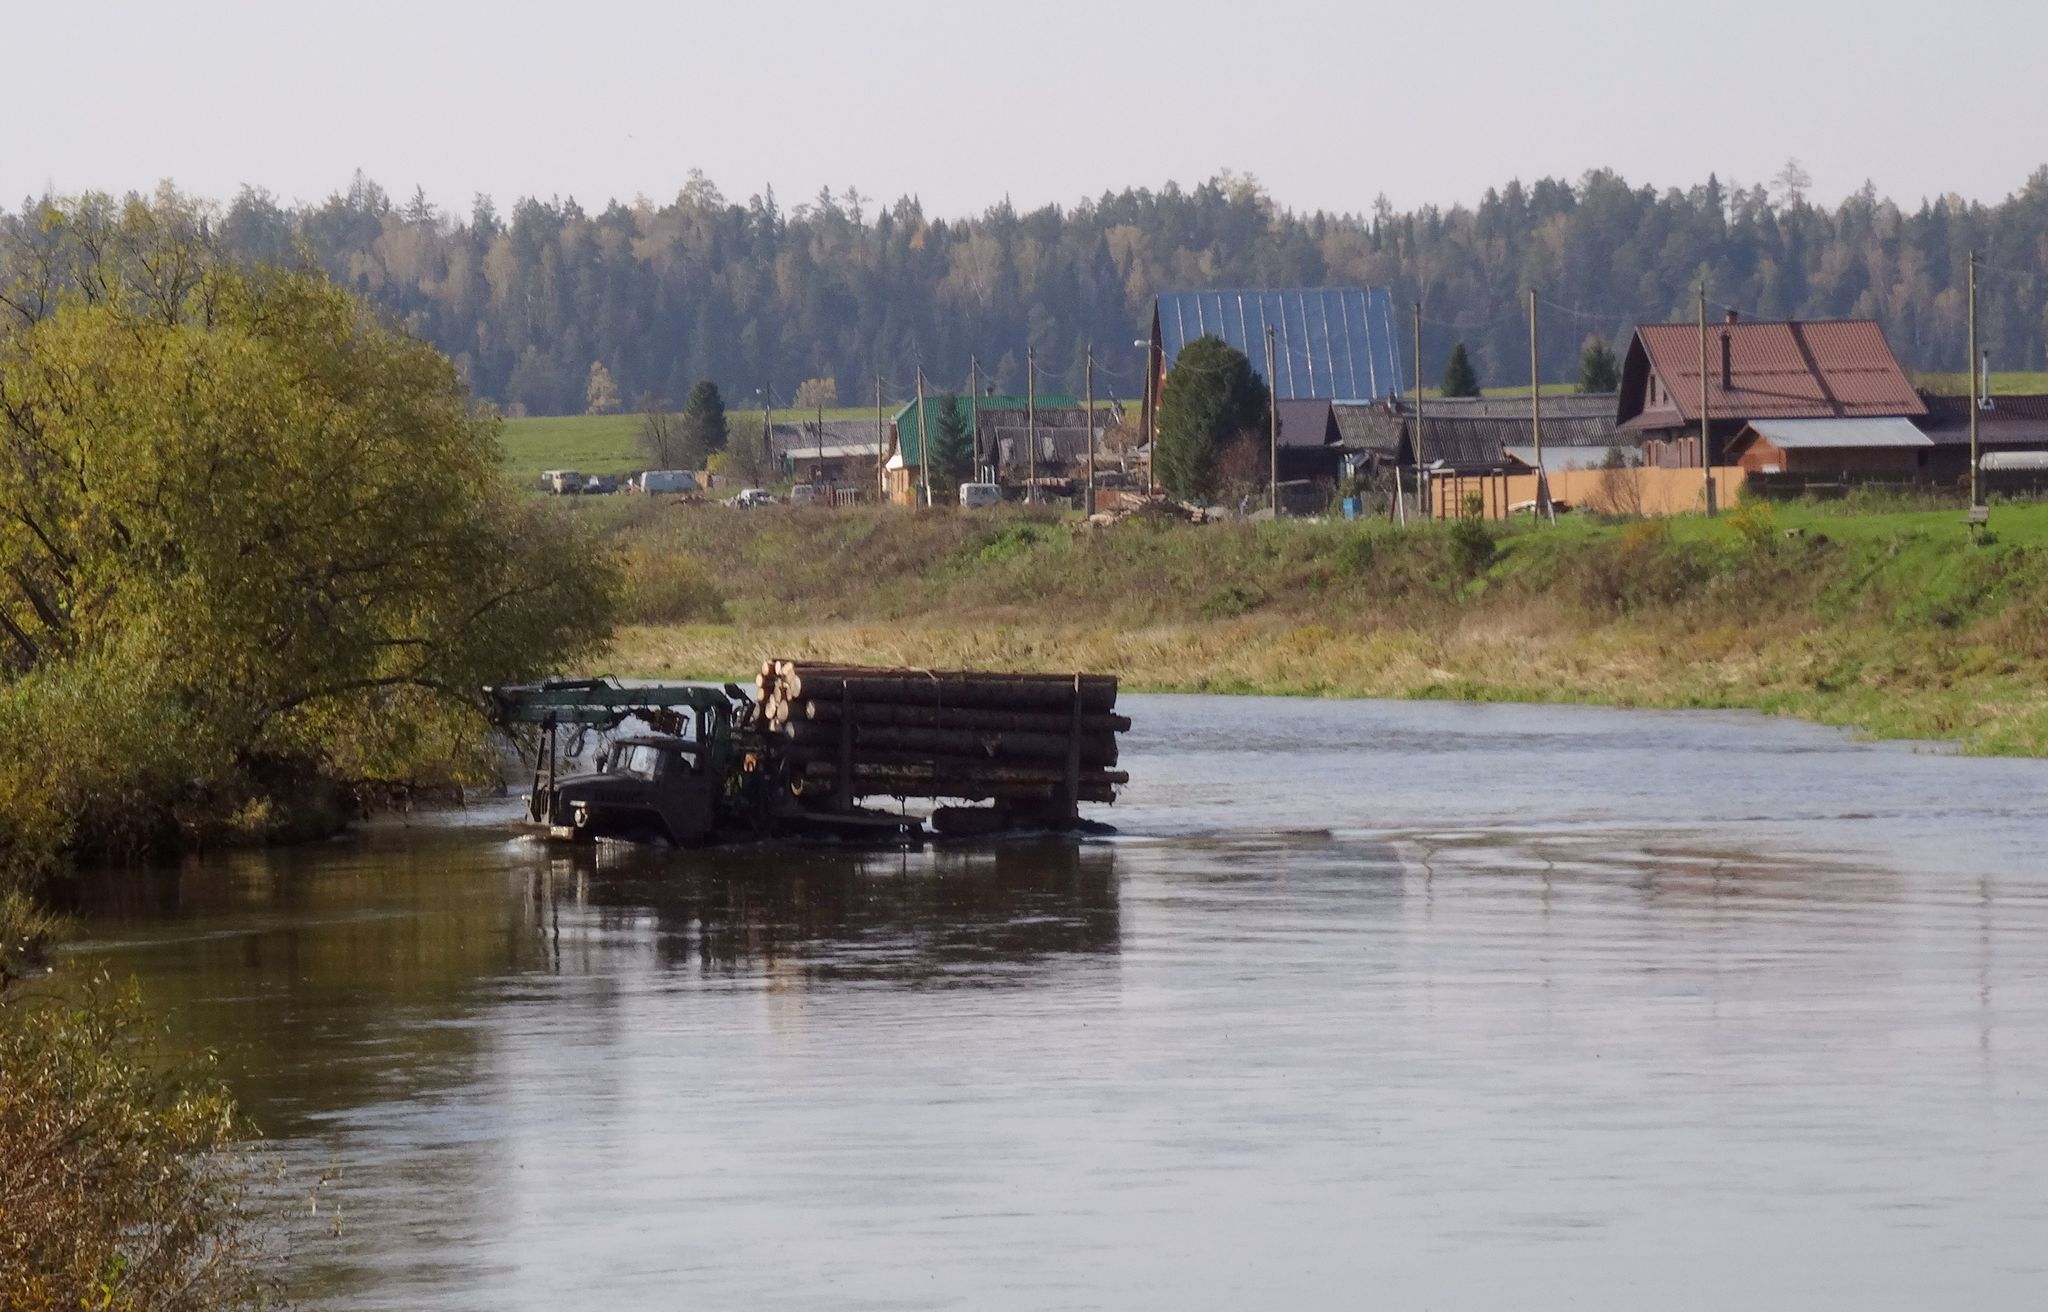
(1328, 103)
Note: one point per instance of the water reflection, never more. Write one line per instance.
(980, 916)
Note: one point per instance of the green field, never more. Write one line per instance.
(2002, 384)
(606, 444)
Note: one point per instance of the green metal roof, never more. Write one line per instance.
(910, 431)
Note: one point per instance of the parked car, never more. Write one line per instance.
(561, 482)
(600, 484)
(806, 494)
(656, 482)
(750, 497)
(976, 496)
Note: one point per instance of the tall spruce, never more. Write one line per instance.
(1598, 371)
(952, 453)
(1211, 400)
(704, 425)
(1460, 379)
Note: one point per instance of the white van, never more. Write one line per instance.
(562, 482)
(671, 481)
(806, 494)
(977, 496)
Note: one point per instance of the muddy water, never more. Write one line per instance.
(1371, 1005)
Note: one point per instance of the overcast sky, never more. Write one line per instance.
(1328, 102)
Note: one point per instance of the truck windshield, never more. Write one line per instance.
(641, 760)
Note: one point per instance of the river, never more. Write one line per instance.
(1370, 1004)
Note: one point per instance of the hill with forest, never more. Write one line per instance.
(756, 295)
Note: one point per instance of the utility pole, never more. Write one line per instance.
(1543, 506)
(1272, 430)
(1090, 375)
(881, 432)
(1706, 432)
(984, 461)
(1149, 422)
(818, 473)
(1976, 489)
(924, 446)
(1416, 445)
(1031, 419)
(767, 429)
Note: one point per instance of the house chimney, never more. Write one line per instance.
(1727, 364)
(1734, 315)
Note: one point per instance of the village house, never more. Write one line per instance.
(1845, 450)
(2007, 426)
(1837, 370)
(1003, 428)
(842, 454)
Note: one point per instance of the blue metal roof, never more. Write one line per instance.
(1330, 343)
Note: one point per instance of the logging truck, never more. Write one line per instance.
(799, 758)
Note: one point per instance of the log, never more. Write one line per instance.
(885, 783)
(1039, 693)
(963, 717)
(975, 744)
(809, 758)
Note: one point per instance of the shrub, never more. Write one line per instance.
(1472, 545)
(120, 1184)
(1755, 523)
(664, 587)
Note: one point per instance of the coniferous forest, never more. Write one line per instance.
(756, 294)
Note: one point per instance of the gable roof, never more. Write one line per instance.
(2009, 419)
(1839, 369)
(802, 439)
(1830, 434)
(1330, 343)
(1307, 423)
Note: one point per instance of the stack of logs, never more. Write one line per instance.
(850, 731)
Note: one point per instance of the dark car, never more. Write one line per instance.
(649, 789)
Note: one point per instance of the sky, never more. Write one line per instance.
(1328, 103)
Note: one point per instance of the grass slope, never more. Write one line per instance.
(1893, 623)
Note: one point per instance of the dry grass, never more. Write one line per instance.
(1892, 624)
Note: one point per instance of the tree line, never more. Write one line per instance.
(839, 290)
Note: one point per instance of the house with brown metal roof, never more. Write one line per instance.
(1838, 369)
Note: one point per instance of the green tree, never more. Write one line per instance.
(1598, 369)
(1459, 377)
(952, 454)
(1211, 399)
(704, 418)
(249, 537)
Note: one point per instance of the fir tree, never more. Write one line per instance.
(1212, 398)
(704, 418)
(1459, 377)
(1598, 371)
(951, 459)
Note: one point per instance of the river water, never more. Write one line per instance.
(1371, 1004)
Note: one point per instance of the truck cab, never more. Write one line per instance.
(648, 788)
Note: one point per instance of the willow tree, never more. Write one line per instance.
(249, 533)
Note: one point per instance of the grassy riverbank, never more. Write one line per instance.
(1888, 621)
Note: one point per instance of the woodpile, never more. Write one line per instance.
(1041, 741)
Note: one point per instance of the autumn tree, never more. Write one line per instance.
(1211, 399)
(817, 393)
(1460, 380)
(600, 394)
(663, 439)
